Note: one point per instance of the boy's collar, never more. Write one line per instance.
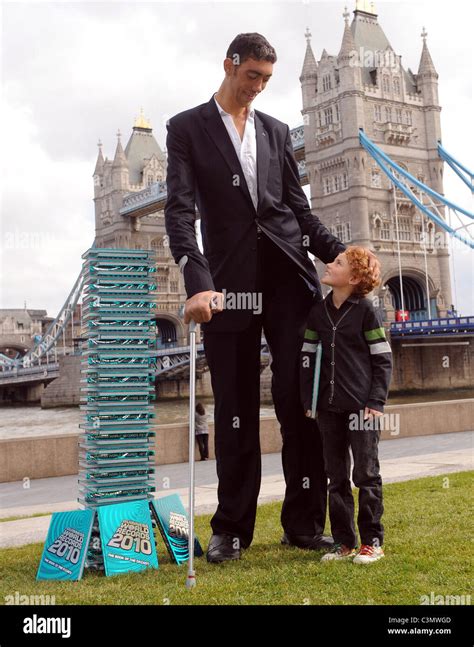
(352, 298)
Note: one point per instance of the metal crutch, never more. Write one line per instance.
(191, 577)
(215, 306)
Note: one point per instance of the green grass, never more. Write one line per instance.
(25, 516)
(428, 534)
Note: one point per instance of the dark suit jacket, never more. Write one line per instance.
(204, 170)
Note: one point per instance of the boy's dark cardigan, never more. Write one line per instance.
(359, 363)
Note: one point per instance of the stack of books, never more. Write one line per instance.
(116, 455)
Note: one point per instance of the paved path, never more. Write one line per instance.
(401, 459)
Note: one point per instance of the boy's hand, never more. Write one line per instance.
(369, 413)
(374, 265)
(308, 413)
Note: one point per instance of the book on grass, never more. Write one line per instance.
(172, 521)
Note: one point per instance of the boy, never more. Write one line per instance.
(345, 342)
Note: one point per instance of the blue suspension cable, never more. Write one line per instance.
(455, 165)
(374, 151)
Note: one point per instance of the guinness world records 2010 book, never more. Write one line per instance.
(172, 521)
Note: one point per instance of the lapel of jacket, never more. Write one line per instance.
(216, 129)
(263, 156)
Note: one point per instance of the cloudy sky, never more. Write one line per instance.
(76, 72)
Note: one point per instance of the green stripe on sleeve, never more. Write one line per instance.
(376, 333)
(310, 334)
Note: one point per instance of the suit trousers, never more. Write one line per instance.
(234, 362)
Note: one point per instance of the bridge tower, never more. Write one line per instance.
(366, 86)
(136, 174)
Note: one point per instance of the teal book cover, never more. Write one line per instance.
(173, 524)
(65, 549)
(127, 539)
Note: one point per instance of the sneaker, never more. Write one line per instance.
(368, 554)
(339, 551)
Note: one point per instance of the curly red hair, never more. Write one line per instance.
(358, 260)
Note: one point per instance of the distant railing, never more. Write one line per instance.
(446, 325)
(19, 374)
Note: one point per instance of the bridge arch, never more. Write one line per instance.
(170, 330)
(414, 293)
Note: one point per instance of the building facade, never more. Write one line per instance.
(129, 213)
(366, 86)
(19, 329)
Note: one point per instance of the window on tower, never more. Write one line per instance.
(404, 228)
(385, 230)
(396, 85)
(376, 181)
(328, 115)
(388, 113)
(326, 82)
(342, 230)
(158, 245)
(162, 280)
(346, 232)
(377, 113)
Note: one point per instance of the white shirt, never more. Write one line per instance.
(246, 148)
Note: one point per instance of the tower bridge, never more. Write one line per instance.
(363, 88)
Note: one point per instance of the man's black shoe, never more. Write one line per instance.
(318, 542)
(223, 548)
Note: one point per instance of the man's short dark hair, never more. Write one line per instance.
(251, 45)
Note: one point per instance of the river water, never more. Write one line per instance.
(30, 420)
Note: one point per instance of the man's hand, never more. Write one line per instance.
(199, 307)
(371, 413)
(374, 264)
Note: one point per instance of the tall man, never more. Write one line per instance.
(237, 165)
